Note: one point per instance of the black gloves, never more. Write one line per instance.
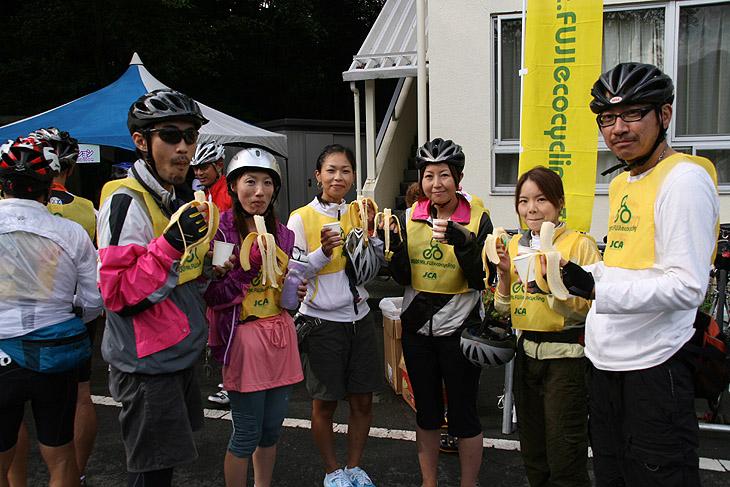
(191, 224)
(457, 235)
(579, 282)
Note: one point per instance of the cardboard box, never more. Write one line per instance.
(393, 353)
(407, 391)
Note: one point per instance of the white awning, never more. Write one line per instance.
(389, 50)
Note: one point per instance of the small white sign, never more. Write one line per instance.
(89, 154)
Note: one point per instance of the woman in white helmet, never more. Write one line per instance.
(550, 384)
(207, 165)
(339, 354)
(250, 332)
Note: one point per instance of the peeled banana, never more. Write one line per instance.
(489, 251)
(554, 282)
(269, 252)
(386, 216)
(359, 215)
(213, 220)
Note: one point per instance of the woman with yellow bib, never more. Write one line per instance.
(550, 384)
(439, 262)
(249, 331)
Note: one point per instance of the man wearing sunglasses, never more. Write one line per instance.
(661, 236)
(156, 327)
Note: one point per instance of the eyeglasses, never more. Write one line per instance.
(174, 136)
(633, 115)
(203, 167)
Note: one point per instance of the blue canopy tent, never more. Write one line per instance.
(101, 117)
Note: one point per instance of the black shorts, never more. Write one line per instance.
(341, 358)
(52, 398)
(436, 361)
(85, 369)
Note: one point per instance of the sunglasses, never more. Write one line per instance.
(633, 115)
(174, 136)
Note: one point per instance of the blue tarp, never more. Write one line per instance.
(101, 117)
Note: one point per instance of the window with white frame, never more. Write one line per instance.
(686, 38)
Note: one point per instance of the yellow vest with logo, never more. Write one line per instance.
(262, 301)
(193, 265)
(313, 222)
(79, 210)
(434, 266)
(630, 240)
(535, 314)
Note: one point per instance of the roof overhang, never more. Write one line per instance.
(389, 50)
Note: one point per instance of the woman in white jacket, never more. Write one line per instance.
(339, 354)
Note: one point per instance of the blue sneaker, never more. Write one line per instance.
(358, 477)
(337, 479)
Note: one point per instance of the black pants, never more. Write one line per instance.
(643, 427)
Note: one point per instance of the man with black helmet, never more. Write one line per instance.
(156, 326)
(661, 237)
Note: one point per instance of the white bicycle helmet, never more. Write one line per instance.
(207, 153)
(490, 345)
(363, 262)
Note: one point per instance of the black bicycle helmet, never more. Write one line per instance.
(631, 84)
(439, 150)
(26, 156)
(66, 146)
(491, 345)
(163, 104)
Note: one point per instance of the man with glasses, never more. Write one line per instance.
(156, 326)
(661, 236)
(208, 168)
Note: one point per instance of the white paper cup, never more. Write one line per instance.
(440, 223)
(221, 252)
(522, 263)
(438, 236)
(333, 227)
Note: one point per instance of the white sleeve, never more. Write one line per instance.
(685, 215)
(87, 295)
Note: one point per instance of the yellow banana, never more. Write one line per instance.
(271, 257)
(213, 220)
(554, 283)
(359, 215)
(489, 251)
(386, 216)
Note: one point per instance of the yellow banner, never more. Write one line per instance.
(563, 60)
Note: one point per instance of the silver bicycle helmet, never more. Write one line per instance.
(207, 153)
(66, 146)
(488, 346)
(363, 263)
(439, 150)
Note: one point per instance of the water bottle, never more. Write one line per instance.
(294, 276)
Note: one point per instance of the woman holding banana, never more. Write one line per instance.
(550, 384)
(339, 354)
(439, 263)
(249, 331)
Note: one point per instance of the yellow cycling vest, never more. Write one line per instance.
(630, 240)
(535, 313)
(79, 210)
(193, 265)
(434, 266)
(263, 301)
(313, 222)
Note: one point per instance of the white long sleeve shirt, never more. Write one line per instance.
(328, 295)
(48, 266)
(640, 318)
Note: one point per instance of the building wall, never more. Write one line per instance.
(461, 98)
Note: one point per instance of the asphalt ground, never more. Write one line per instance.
(390, 456)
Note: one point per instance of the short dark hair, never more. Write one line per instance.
(549, 183)
(24, 187)
(336, 149)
